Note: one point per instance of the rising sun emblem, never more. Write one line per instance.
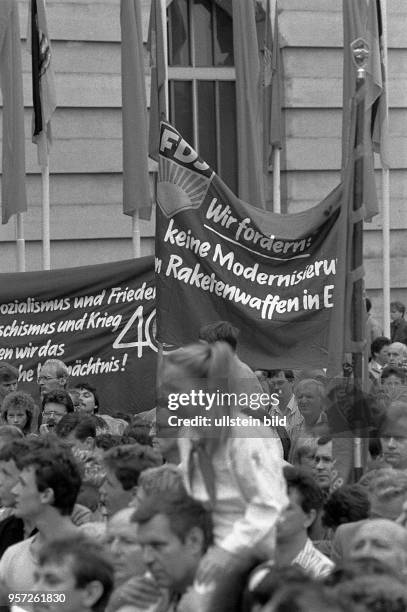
(179, 188)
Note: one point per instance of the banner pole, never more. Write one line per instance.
(46, 244)
(136, 235)
(20, 242)
(276, 165)
(360, 55)
(385, 199)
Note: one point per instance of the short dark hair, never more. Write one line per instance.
(368, 304)
(58, 396)
(10, 432)
(183, 513)
(55, 468)
(8, 373)
(88, 387)
(347, 504)
(378, 343)
(393, 371)
(82, 426)
(90, 562)
(310, 493)
(23, 401)
(219, 330)
(107, 440)
(15, 449)
(127, 461)
(399, 306)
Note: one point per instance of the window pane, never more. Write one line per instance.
(207, 122)
(227, 134)
(202, 19)
(181, 108)
(223, 39)
(178, 34)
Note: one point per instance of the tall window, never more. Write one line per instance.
(201, 77)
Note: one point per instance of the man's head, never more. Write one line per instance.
(380, 350)
(88, 400)
(393, 436)
(387, 491)
(55, 405)
(282, 382)
(392, 379)
(220, 330)
(397, 310)
(123, 465)
(383, 540)
(305, 500)
(18, 409)
(80, 570)
(9, 472)
(49, 482)
(77, 430)
(8, 379)
(347, 504)
(174, 535)
(324, 462)
(53, 375)
(122, 542)
(311, 399)
(397, 352)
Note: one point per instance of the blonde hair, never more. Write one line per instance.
(201, 365)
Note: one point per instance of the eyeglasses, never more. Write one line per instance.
(41, 379)
(53, 413)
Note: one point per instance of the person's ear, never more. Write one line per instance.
(195, 540)
(310, 518)
(47, 496)
(91, 593)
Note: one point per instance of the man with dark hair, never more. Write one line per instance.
(398, 325)
(46, 491)
(293, 544)
(174, 534)
(55, 405)
(380, 356)
(348, 504)
(8, 379)
(88, 403)
(77, 430)
(123, 465)
(244, 379)
(53, 376)
(324, 464)
(77, 568)
(282, 383)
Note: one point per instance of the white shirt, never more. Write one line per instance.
(251, 492)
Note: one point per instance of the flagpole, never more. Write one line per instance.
(385, 199)
(275, 150)
(46, 243)
(20, 242)
(360, 55)
(136, 240)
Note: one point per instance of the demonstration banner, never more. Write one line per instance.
(99, 320)
(219, 258)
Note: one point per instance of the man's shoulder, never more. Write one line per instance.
(18, 548)
(314, 561)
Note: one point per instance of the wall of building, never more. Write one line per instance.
(87, 225)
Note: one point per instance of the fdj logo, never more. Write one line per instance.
(144, 329)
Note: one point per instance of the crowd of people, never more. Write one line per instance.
(125, 513)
